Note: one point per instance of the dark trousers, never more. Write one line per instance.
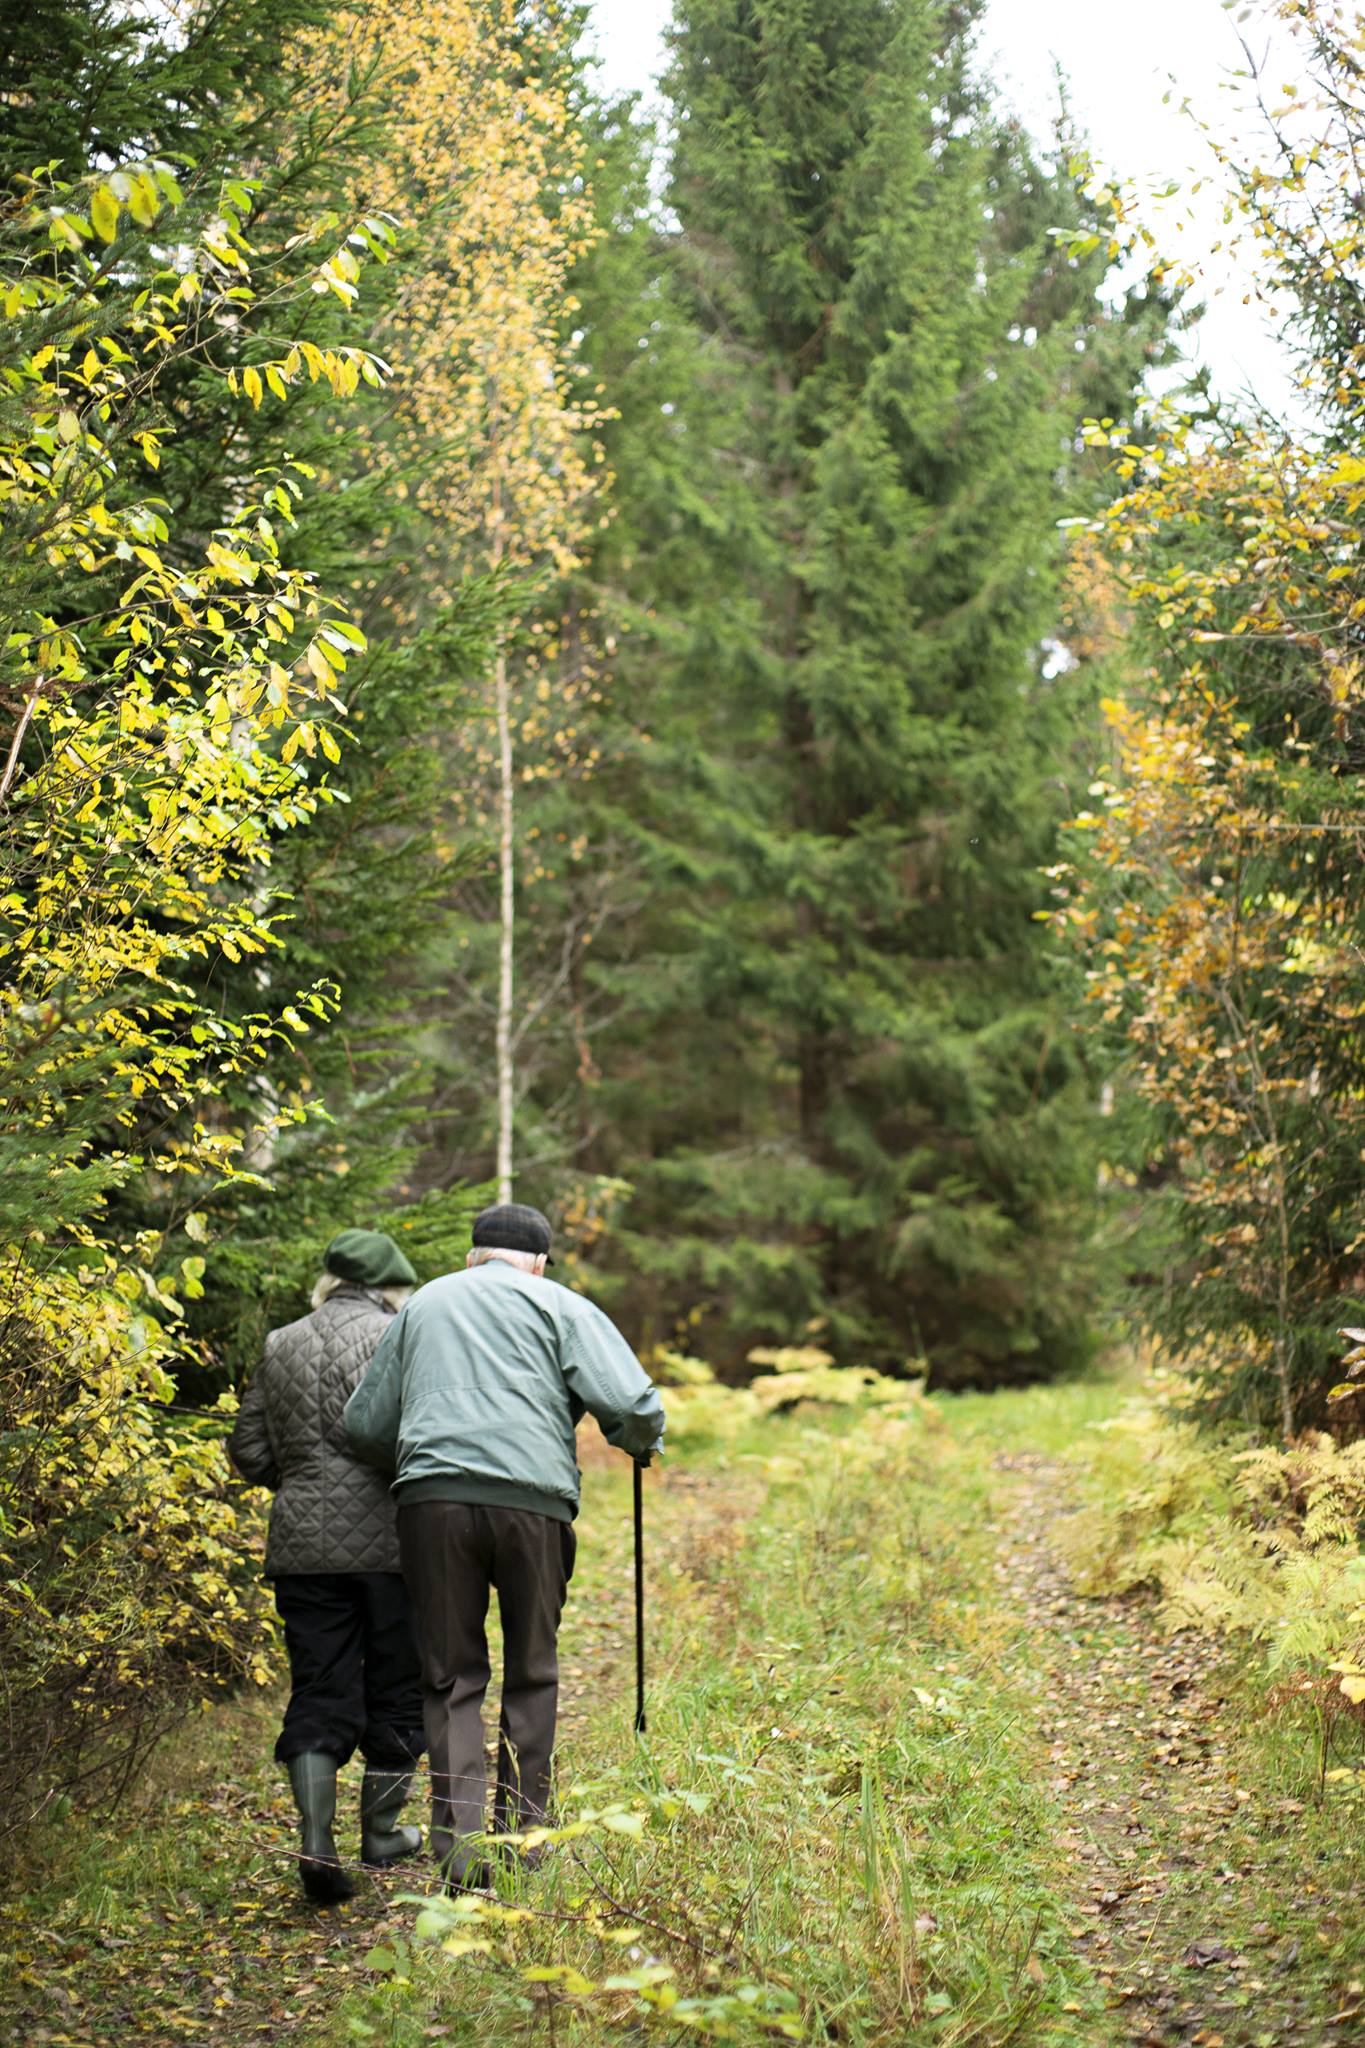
(452, 1555)
(353, 1668)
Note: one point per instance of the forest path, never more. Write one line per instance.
(181, 1920)
(1119, 1788)
(1195, 1902)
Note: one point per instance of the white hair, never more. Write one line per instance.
(328, 1283)
(527, 1261)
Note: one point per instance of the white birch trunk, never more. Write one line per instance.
(507, 927)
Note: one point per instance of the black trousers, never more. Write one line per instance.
(452, 1556)
(356, 1681)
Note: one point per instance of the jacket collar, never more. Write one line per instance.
(351, 1290)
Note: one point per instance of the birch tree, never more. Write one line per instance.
(487, 387)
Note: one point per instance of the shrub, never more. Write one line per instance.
(1261, 1543)
(129, 1572)
(169, 688)
(700, 1410)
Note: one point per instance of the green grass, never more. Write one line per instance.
(873, 1850)
(843, 1825)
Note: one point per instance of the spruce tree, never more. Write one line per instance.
(847, 1101)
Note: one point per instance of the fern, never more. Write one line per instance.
(1264, 1543)
(1320, 1594)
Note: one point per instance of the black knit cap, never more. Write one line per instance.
(513, 1227)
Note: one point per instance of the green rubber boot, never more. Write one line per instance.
(314, 1779)
(382, 1841)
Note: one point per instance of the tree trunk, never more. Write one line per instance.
(507, 875)
(1269, 1138)
(507, 927)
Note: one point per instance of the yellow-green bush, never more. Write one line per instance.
(129, 1574)
(167, 691)
(1265, 1543)
(702, 1411)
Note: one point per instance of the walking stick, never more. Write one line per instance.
(639, 1600)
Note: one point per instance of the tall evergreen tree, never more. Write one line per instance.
(90, 81)
(843, 1092)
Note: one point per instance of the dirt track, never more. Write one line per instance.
(1154, 1821)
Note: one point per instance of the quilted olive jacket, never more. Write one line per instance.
(330, 1513)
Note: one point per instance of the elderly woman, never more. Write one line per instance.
(333, 1555)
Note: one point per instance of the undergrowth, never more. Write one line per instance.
(1261, 1543)
(854, 1818)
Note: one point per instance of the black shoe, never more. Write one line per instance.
(326, 1884)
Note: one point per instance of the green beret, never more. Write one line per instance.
(368, 1258)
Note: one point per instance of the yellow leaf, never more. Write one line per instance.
(143, 201)
(104, 213)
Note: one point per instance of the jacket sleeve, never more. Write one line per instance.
(604, 1374)
(371, 1416)
(249, 1446)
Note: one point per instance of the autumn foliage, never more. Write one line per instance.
(166, 691)
(1213, 887)
(183, 633)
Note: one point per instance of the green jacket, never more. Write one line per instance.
(476, 1390)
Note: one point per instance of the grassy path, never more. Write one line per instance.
(1217, 1899)
(180, 1919)
(901, 1785)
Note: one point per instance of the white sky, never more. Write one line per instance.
(1120, 63)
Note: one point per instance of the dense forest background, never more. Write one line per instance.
(720, 677)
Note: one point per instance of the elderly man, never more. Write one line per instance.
(472, 1402)
(333, 1555)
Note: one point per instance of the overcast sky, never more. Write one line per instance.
(1121, 62)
